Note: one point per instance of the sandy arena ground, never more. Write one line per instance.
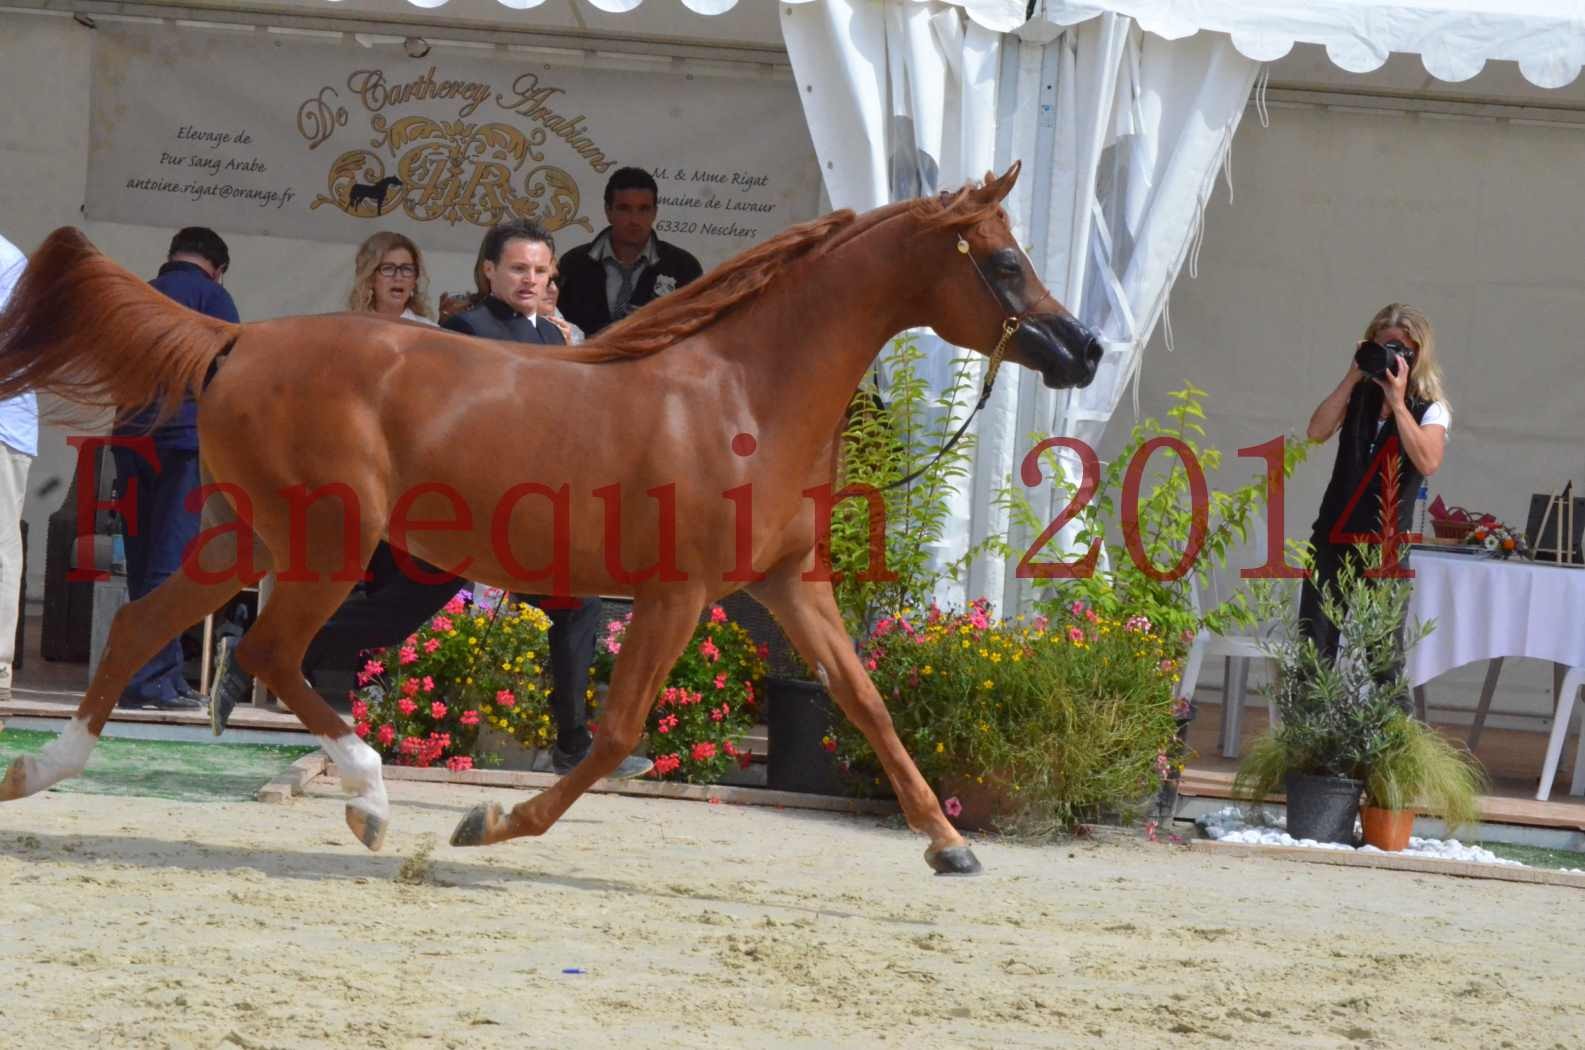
(141, 923)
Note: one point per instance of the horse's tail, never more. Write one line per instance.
(86, 329)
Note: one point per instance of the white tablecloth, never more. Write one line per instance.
(1485, 608)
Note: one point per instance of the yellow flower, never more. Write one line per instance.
(989, 684)
(984, 728)
(940, 748)
(927, 670)
(996, 658)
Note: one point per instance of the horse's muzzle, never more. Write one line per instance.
(1065, 351)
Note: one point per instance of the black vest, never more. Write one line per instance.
(1358, 444)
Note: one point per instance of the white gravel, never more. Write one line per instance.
(1228, 825)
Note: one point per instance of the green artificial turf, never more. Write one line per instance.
(186, 772)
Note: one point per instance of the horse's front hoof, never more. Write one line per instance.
(15, 783)
(482, 825)
(953, 860)
(368, 826)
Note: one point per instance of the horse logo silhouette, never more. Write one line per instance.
(375, 193)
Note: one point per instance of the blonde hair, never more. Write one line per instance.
(1425, 379)
(370, 252)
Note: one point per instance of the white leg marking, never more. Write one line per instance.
(60, 759)
(359, 767)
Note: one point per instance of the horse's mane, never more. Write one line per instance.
(704, 301)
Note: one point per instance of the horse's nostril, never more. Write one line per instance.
(1092, 352)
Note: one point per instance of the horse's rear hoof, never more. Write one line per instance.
(15, 783)
(480, 826)
(369, 827)
(953, 860)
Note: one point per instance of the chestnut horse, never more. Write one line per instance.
(716, 406)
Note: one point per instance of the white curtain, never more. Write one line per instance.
(1121, 136)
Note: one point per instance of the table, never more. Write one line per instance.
(1487, 609)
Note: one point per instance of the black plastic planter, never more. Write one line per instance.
(800, 716)
(1323, 808)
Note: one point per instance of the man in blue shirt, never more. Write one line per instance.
(19, 443)
(194, 268)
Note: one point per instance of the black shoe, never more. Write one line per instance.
(167, 703)
(232, 684)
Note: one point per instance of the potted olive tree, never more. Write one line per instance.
(1338, 719)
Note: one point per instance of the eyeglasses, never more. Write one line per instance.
(395, 270)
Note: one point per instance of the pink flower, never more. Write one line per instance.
(703, 751)
(437, 710)
(431, 644)
(408, 655)
(458, 763)
(428, 684)
(386, 734)
(373, 668)
(362, 729)
(717, 713)
(1077, 608)
(978, 620)
(505, 698)
(455, 606)
(717, 614)
(720, 680)
(613, 646)
(1040, 623)
(870, 664)
(953, 807)
(1168, 666)
(360, 710)
(1075, 635)
(410, 687)
(406, 706)
(708, 650)
(730, 749)
(441, 624)
(470, 717)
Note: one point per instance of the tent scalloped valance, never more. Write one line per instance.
(1001, 16)
(1454, 38)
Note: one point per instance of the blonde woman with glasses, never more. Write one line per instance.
(390, 280)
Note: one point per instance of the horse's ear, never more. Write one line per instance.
(997, 188)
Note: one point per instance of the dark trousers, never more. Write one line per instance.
(392, 605)
(155, 542)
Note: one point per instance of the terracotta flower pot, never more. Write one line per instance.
(1387, 829)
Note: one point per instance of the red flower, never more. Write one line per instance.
(360, 710)
(373, 668)
(717, 614)
(431, 644)
(410, 687)
(730, 748)
(505, 698)
(457, 763)
(362, 729)
(708, 650)
(470, 717)
(437, 710)
(744, 759)
(703, 751)
(441, 624)
(829, 743)
(720, 680)
(429, 684)
(406, 706)
(386, 734)
(408, 655)
(762, 651)
(667, 763)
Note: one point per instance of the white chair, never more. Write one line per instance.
(1236, 651)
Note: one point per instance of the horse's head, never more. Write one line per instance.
(987, 296)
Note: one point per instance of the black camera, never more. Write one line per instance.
(1376, 359)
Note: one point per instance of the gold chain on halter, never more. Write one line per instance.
(1009, 327)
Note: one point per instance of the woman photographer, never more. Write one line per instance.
(1404, 401)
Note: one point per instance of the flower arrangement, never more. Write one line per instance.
(1499, 540)
(423, 703)
(1065, 718)
(706, 706)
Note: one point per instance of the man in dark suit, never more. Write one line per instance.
(194, 267)
(516, 261)
(626, 265)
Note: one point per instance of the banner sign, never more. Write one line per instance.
(248, 133)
